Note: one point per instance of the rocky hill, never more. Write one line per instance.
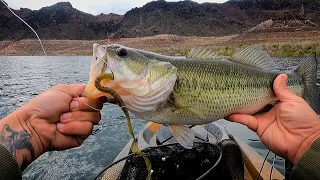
(276, 4)
(186, 18)
(60, 21)
(209, 19)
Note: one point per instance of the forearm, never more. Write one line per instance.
(19, 138)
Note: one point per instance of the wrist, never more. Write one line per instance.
(305, 145)
(19, 137)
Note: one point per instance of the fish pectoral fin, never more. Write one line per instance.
(198, 112)
(183, 135)
(194, 110)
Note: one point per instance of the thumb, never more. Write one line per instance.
(281, 88)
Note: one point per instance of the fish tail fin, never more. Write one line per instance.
(308, 70)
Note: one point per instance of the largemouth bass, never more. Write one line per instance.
(196, 89)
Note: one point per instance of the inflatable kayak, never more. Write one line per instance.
(216, 154)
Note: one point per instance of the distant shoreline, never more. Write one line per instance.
(297, 43)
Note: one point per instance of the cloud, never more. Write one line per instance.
(103, 6)
(92, 7)
(31, 4)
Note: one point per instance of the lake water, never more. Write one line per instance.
(22, 78)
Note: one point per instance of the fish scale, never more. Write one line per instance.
(197, 89)
(219, 89)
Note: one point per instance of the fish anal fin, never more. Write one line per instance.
(184, 135)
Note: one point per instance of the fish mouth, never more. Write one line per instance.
(98, 67)
(142, 89)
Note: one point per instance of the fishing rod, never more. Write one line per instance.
(44, 51)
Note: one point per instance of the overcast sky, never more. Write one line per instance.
(91, 6)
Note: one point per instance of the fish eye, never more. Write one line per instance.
(122, 52)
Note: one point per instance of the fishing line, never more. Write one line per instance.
(44, 51)
(86, 103)
(263, 164)
(203, 176)
(274, 159)
(82, 100)
(27, 25)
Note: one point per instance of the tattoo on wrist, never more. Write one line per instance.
(17, 141)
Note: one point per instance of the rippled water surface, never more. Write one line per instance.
(22, 78)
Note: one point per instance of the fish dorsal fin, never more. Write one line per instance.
(254, 56)
(203, 54)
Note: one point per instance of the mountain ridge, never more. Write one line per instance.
(185, 18)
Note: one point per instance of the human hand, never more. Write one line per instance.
(54, 120)
(61, 118)
(289, 128)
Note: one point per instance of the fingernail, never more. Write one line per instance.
(60, 126)
(65, 116)
(283, 83)
(284, 77)
(74, 105)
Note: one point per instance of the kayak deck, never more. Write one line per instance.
(253, 162)
(238, 157)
